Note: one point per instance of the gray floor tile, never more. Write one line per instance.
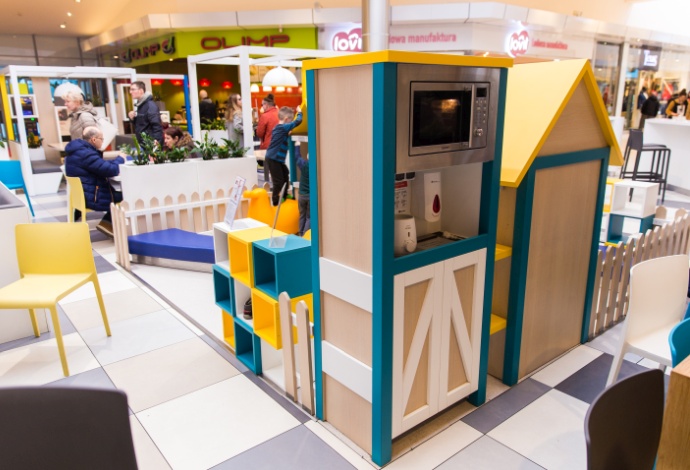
(45, 220)
(96, 378)
(97, 236)
(487, 454)
(290, 406)
(227, 355)
(297, 449)
(103, 265)
(65, 324)
(587, 383)
(493, 413)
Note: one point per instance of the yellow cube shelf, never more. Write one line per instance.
(503, 251)
(229, 329)
(266, 315)
(240, 250)
(497, 324)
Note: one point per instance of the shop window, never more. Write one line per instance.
(606, 71)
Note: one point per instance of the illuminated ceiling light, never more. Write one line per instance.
(204, 82)
(116, 57)
(63, 88)
(226, 85)
(170, 60)
(254, 88)
(78, 1)
(279, 76)
(176, 82)
(280, 89)
(69, 13)
(289, 89)
(268, 89)
(156, 81)
(63, 26)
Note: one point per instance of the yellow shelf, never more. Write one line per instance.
(497, 324)
(240, 251)
(503, 251)
(228, 328)
(266, 313)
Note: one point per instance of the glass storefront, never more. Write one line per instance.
(606, 69)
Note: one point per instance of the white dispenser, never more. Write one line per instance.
(426, 202)
(405, 236)
(432, 196)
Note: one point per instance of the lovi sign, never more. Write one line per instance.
(348, 41)
(518, 43)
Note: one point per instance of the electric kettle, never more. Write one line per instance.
(405, 240)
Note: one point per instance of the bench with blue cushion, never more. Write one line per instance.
(174, 244)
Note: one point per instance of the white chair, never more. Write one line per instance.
(658, 290)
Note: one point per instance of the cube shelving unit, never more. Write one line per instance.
(229, 328)
(247, 347)
(634, 198)
(220, 237)
(223, 288)
(608, 194)
(266, 314)
(240, 251)
(285, 269)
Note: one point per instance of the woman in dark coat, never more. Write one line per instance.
(85, 161)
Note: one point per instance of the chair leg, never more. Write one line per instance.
(34, 322)
(58, 338)
(31, 208)
(615, 366)
(97, 287)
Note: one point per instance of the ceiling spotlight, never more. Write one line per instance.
(170, 60)
(69, 13)
(116, 57)
(63, 26)
(78, 1)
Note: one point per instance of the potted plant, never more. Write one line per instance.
(176, 154)
(215, 129)
(233, 149)
(35, 143)
(206, 147)
(141, 152)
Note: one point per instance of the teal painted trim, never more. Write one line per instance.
(521, 236)
(592, 270)
(292, 165)
(435, 255)
(314, 217)
(488, 219)
(383, 268)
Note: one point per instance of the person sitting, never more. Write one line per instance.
(85, 161)
(176, 138)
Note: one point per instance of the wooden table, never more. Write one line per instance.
(674, 448)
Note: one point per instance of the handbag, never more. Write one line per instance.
(108, 129)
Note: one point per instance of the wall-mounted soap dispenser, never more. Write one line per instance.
(426, 202)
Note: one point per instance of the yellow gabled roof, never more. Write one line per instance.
(537, 95)
(365, 58)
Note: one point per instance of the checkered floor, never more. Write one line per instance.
(194, 406)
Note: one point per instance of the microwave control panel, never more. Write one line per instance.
(480, 118)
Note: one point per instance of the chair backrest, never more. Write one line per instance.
(52, 427)
(11, 174)
(54, 248)
(635, 140)
(623, 424)
(76, 197)
(679, 340)
(658, 289)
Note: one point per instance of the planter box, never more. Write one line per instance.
(37, 154)
(216, 136)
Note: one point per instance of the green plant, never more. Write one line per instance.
(177, 154)
(141, 151)
(215, 125)
(159, 156)
(234, 150)
(207, 147)
(34, 140)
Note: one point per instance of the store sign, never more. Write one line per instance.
(649, 58)
(517, 43)
(349, 41)
(551, 44)
(166, 46)
(213, 43)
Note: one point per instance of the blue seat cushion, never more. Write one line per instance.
(173, 243)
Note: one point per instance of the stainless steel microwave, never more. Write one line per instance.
(446, 115)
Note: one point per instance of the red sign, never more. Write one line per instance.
(344, 41)
(518, 43)
(215, 43)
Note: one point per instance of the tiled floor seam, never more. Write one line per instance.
(152, 440)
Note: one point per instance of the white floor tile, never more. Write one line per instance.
(170, 372)
(148, 455)
(339, 446)
(487, 454)
(437, 450)
(136, 336)
(191, 292)
(39, 363)
(494, 388)
(104, 247)
(204, 428)
(567, 365)
(112, 281)
(185, 322)
(549, 431)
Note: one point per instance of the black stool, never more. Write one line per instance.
(658, 168)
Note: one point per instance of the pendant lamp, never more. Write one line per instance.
(279, 76)
(63, 88)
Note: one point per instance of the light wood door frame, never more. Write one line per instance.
(469, 341)
(428, 326)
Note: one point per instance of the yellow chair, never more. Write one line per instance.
(76, 198)
(54, 259)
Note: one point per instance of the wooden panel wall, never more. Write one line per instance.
(348, 412)
(506, 216)
(559, 252)
(345, 97)
(577, 128)
(347, 327)
(46, 118)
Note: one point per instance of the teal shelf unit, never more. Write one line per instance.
(247, 346)
(223, 289)
(616, 222)
(286, 269)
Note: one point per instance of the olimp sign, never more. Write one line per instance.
(166, 46)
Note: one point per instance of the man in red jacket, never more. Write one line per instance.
(264, 130)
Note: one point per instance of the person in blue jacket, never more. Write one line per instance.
(85, 161)
(277, 150)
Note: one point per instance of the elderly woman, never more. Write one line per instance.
(83, 115)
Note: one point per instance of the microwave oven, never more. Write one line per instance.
(446, 115)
